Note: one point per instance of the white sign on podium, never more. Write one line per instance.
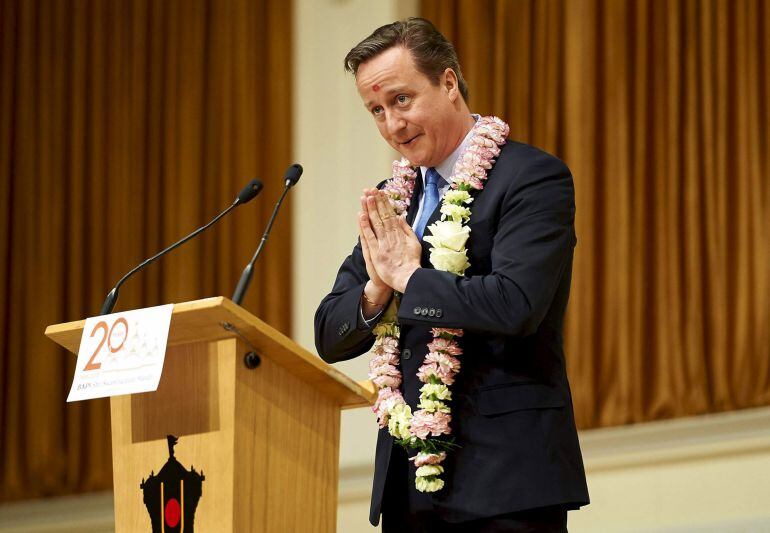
(121, 353)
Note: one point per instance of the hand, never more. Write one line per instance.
(375, 286)
(375, 290)
(393, 249)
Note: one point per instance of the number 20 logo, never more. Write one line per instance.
(106, 337)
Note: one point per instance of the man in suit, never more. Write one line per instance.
(519, 466)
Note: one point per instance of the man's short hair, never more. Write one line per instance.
(431, 51)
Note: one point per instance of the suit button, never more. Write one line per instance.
(424, 311)
(416, 310)
(432, 312)
(439, 312)
(406, 353)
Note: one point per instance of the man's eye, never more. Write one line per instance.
(402, 99)
(376, 110)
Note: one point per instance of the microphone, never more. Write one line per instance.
(291, 177)
(252, 189)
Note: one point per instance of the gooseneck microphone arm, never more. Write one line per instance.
(290, 179)
(249, 192)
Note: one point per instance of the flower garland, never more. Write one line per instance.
(427, 429)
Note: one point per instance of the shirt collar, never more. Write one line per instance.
(447, 166)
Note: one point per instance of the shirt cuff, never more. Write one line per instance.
(367, 324)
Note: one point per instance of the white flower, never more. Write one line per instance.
(438, 390)
(433, 405)
(448, 234)
(458, 197)
(449, 260)
(399, 420)
(428, 485)
(457, 213)
(429, 470)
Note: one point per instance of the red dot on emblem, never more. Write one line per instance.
(172, 513)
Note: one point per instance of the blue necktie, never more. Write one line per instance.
(430, 202)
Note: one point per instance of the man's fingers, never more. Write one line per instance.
(389, 219)
(365, 246)
(405, 228)
(374, 217)
(367, 233)
(362, 218)
(386, 212)
(370, 212)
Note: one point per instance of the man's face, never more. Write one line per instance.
(416, 117)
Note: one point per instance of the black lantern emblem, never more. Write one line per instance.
(172, 495)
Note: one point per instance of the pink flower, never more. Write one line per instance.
(386, 345)
(386, 361)
(387, 398)
(403, 168)
(389, 344)
(475, 160)
(444, 345)
(422, 459)
(387, 381)
(438, 331)
(472, 181)
(382, 368)
(427, 370)
(477, 172)
(424, 423)
(385, 375)
(398, 188)
(480, 140)
(381, 356)
(400, 206)
(441, 365)
(445, 362)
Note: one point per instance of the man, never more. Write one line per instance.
(518, 466)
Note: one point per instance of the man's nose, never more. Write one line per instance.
(395, 123)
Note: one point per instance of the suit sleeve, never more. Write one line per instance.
(531, 248)
(340, 331)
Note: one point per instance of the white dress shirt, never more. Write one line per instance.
(445, 169)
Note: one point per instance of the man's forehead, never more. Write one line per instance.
(395, 62)
(384, 90)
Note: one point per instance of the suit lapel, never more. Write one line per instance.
(412, 211)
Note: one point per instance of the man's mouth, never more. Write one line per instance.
(410, 141)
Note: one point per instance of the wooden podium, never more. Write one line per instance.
(265, 440)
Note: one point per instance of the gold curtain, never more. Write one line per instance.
(124, 125)
(662, 111)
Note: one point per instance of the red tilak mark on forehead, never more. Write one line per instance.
(376, 87)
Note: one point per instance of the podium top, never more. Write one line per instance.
(204, 320)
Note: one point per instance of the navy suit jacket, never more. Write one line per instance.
(512, 409)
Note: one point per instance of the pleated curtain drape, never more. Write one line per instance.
(124, 125)
(662, 111)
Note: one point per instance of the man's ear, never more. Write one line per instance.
(450, 83)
